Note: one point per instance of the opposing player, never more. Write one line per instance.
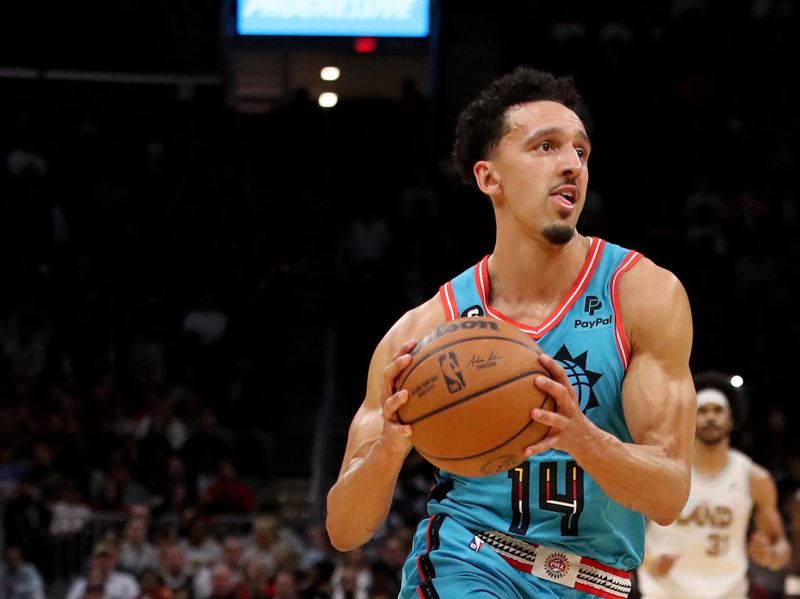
(703, 555)
(569, 520)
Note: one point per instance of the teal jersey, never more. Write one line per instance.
(549, 499)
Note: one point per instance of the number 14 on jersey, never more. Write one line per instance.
(569, 503)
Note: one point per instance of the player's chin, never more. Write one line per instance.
(559, 233)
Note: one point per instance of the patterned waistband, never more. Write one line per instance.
(561, 567)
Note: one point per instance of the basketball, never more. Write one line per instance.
(471, 392)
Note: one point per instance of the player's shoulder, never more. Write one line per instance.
(648, 278)
(414, 324)
(649, 290)
(759, 475)
(655, 308)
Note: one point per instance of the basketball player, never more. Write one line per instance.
(703, 555)
(570, 520)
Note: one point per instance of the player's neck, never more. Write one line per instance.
(709, 460)
(533, 272)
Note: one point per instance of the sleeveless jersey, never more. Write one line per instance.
(549, 499)
(710, 536)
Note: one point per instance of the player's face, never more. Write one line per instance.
(714, 423)
(541, 167)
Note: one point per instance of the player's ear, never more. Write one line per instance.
(486, 177)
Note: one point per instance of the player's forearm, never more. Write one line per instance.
(640, 477)
(360, 500)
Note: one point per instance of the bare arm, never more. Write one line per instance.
(377, 444)
(768, 544)
(651, 475)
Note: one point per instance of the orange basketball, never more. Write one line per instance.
(471, 392)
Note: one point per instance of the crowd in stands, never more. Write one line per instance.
(152, 253)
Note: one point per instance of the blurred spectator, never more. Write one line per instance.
(347, 587)
(175, 572)
(394, 554)
(136, 552)
(160, 420)
(222, 586)
(12, 470)
(70, 513)
(285, 586)
(26, 521)
(227, 493)
(200, 548)
(19, 579)
(317, 583)
(102, 571)
(257, 580)
(232, 551)
(357, 566)
(262, 549)
(204, 449)
(319, 547)
(151, 585)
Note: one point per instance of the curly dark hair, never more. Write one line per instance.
(482, 123)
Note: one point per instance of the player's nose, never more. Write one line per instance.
(570, 164)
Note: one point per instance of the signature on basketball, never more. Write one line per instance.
(479, 363)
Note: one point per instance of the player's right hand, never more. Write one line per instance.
(395, 434)
(661, 564)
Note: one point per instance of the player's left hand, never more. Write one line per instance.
(569, 427)
(760, 548)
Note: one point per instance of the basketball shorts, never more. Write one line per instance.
(448, 561)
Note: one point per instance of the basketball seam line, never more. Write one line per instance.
(456, 342)
(491, 449)
(473, 396)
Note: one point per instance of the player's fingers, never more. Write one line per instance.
(557, 391)
(406, 348)
(549, 442)
(393, 403)
(550, 418)
(555, 370)
(392, 370)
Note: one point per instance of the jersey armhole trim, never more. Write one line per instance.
(448, 297)
(620, 338)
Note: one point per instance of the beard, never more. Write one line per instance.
(712, 435)
(558, 234)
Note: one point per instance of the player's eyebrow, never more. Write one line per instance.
(551, 131)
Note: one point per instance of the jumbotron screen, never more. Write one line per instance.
(353, 18)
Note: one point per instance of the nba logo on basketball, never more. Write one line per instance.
(451, 371)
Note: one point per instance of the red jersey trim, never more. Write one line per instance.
(623, 346)
(578, 287)
(448, 297)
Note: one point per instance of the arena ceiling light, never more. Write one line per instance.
(328, 99)
(737, 381)
(329, 73)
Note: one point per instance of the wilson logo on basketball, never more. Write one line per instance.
(453, 327)
(451, 371)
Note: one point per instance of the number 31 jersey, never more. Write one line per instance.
(710, 538)
(548, 499)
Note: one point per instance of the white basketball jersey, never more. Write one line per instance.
(710, 537)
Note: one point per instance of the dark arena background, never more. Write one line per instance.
(197, 258)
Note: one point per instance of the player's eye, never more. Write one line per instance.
(545, 146)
